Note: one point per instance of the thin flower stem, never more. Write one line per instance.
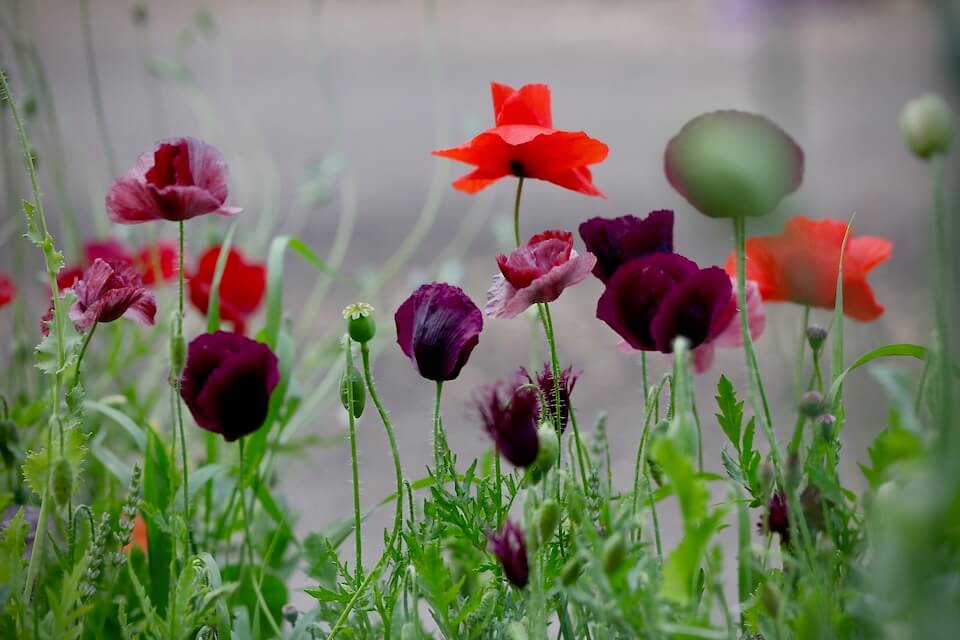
(437, 430)
(175, 383)
(754, 382)
(516, 211)
(94, 78)
(83, 352)
(942, 305)
(801, 353)
(391, 436)
(248, 536)
(352, 421)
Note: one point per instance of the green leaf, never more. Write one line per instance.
(692, 491)
(12, 563)
(891, 446)
(123, 420)
(216, 582)
(321, 559)
(37, 465)
(731, 411)
(275, 256)
(836, 327)
(213, 307)
(156, 499)
(30, 212)
(47, 355)
(683, 564)
(900, 350)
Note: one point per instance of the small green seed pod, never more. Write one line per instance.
(352, 381)
(548, 520)
(62, 481)
(571, 571)
(360, 324)
(927, 125)
(549, 450)
(614, 552)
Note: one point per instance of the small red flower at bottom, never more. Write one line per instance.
(7, 291)
(802, 263)
(241, 289)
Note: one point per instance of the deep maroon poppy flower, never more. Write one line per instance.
(437, 328)
(509, 412)
(615, 241)
(510, 547)
(650, 301)
(536, 272)
(731, 336)
(109, 291)
(776, 520)
(157, 263)
(242, 287)
(7, 291)
(523, 143)
(227, 383)
(179, 179)
(730, 163)
(544, 380)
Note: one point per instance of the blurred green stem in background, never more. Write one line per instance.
(942, 301)
(352, 421)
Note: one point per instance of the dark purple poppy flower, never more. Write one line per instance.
(227, 383)
(777, 519)
(510, 547)
(109, 291)
(652, 300)
(179, 179)
(509, 412)
(437, 328)
(544, 380)
(616, 241)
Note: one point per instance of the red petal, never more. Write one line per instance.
(528, 105)
(476, 180)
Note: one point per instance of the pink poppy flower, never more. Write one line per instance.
(109, 291)
(536, 272)
(731, 336)
(181, 178)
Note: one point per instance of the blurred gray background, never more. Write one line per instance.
(327, 111)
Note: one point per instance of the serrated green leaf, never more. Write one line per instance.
(37, 465)
(30, 212)
(731, 411)
(891, 446)
(683, 564)
(692, 490)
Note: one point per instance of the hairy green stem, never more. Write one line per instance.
(175, 385)
(437, 432)
(355, 469)
(516, 211)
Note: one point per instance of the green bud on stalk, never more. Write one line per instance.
(571, 571)
(62, 481)
(352, 382)
(360, 324)
(816, 336)
(614, 553)
(927, 125)
(549, 450)
(548, 519)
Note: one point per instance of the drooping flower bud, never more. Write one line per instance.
(510, 548)
(927, 125)
(816, 336)
(290, 613)
(351, 383)
(360, 324)
(548, 520)
(812, 404)
(614, 552)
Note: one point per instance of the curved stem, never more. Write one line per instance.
(391, 436)
(437, 432)
(516, 211)
(352, 421)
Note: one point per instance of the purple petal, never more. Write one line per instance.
(730, 336)
(616, 241)
(697, 308)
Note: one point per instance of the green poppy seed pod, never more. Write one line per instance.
(927, 125)
(516, 631)
(571, 571)
(816, 336)
(352, 382)
(62, 481)
(548, 519)
(549, 447)
(178, 347)
(360, 324)
(409, 631)
(614, 552)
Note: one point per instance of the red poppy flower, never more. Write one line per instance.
(157, 263)
(241, 289)
(523, 143)
(179, 179)
(801, 266)
(138, 535)
(7, 291)
(536, 272)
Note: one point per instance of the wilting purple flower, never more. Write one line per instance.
(109, 291)
(544, 380)
(652, 300)
(437, 328)
(510, 547)
(227, 383)
(509, 412)
(616, 241)
(179, 179)
(777, 519)
(536, 272)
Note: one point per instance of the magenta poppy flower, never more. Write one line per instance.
(731, 336)
(109, 291)
(616, 241)
(777, 518)
(8, 291)
(651, 301)
(181, 178)
(437, 328)
(543, 379)
(536, 272)
(510, 412)
(510, 547)
(227, 383)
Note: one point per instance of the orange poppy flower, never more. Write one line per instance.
(523, 143)
(800, 265)
(138, 537)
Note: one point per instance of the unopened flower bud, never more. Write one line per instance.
(62, 481)
(548, 520)
(816, 336)
(614, 552)
(766, 475)
(516, 631)
(570, 571)
(826, 427)
(351, 383)
(290, 613)
(812, 404)
(360, 324)
(549, 447)
(927, 125)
